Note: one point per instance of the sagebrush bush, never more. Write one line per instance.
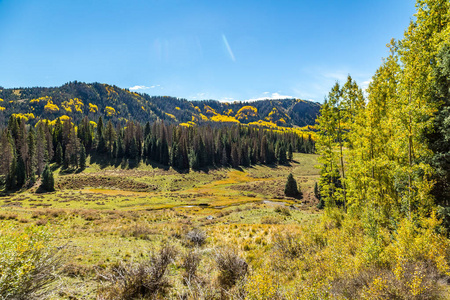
(196, 236)
(231, 267)
(142, 280)
(191, 262)
(29, 262)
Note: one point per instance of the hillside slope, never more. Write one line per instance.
(77, 99)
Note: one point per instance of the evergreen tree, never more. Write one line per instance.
(48, 182)
(234, 156)
(82, 157)
(20, 173)
(281, 155)
(290, 152)
(59, 154)
(291, 188)
(11, 177)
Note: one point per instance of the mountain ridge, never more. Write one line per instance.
(78, 99)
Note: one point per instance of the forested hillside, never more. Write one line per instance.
(77, 99)
(25, 150)
(385, 167)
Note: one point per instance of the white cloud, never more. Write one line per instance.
(272, 96)
(139, 87)
(143, 87)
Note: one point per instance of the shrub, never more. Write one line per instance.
(261, 285)
(28, 262)
(231, 267)
(190, 264)
(144, 280)
(289, 245)
(419, 280)
(282, 210)
(196, 237)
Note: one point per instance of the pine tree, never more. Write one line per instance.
(290, 152)
(20, 175)
(48, 182)
(291, 188)
(234, 156)
(59, 154)
(82, 157)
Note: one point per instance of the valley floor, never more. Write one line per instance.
(110, 216)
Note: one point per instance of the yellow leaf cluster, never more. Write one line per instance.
(224, 119)
(26, 117)
(209, 111)
(228, 112)
(188, 124)
(45, 99)
(93, 108)
(110, 111)
(2, 108)
(75, 103)
(171, 116)
(265, 124)
(111, 92)
(50, 107)
(245, 112)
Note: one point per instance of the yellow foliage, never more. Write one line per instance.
(414, 242)
(93, 108)
(228, 112)
(142, 107)
(177, 108)
(224, 119)
(93, 124)
(171, 116)
(264, 124)
(245, 112)
(261, 285)
(2, 108)
(111, 92)
(209, 111)
(75, 103)
(45, 99)
(1, 100)
(63, 119)
(188, 124)
(50, 107)
(197, 109)
(110, 111)
(26, 117)
(23, 250)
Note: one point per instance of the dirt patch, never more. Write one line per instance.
(82, 181)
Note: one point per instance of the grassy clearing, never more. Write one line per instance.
(108, 216)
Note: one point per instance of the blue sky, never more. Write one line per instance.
(224, 50)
